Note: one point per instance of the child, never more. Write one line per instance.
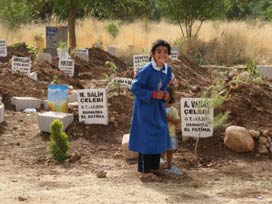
(149, 132)
(173, 121)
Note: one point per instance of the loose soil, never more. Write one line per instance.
(28, 173)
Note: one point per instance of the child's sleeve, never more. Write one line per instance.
(139, 84)
(175, 114)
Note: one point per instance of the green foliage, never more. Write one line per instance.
(112, 74)
(33, 49)
(188, 12)
(58, 145)
(56, 80)
(112, 29)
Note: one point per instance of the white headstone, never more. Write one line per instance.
(22, 64)
(67, 66)
(139, 61)
(124, 81)
(3, 48)
(83, 54)
(111, 50)
(92, 106)
(196, 117)
(45, 57)
(174, 54)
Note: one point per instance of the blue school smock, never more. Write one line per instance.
(149, 130)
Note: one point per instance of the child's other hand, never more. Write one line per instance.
(158, 94)
(166, 96)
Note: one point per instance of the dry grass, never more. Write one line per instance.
(254, 38)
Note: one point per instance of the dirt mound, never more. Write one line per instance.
(250, 105)
(119, 110)
(19, 50)
(17, 84)
(95, 68)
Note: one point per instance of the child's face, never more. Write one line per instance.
(160, 55)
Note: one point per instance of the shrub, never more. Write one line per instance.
(58, 145)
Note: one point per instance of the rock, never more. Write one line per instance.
(268, 139)
(267, 145)
(195, 89)
(244, 75)
(254, 133)
(263, 140)
(126, 152)
(232, 73)
(238, 139)
(101, 174)
(74, 157)
(117, 155)
(267, 133)
(262, 149)
(270, 149)
(21, 198)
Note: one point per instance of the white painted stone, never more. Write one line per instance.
(45, 119)
(45, 104)
(33, 76)
(47, 57)
(2, 112)
(126, 152)
(22, 103)
(238, 139)
(72, 97)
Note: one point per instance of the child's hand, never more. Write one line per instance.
(166, 96)
(158, 94)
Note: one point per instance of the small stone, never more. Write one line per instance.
(74, 157)
(262, 149)
(196, 88)
(268, 139)
(21, 198)
(267, 145)
(118, 155)
(262, 140)
(254, 133)
(101, 174)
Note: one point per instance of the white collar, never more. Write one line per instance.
(157, 68)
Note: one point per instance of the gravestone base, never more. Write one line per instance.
(45, 119)
(45, 104)
(126, 152)
(2, 113)
(22, 103)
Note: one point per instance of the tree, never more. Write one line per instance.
(188, 12)
(16, 13)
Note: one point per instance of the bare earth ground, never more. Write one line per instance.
(28, 175)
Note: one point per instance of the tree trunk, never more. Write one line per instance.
(72, 23)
